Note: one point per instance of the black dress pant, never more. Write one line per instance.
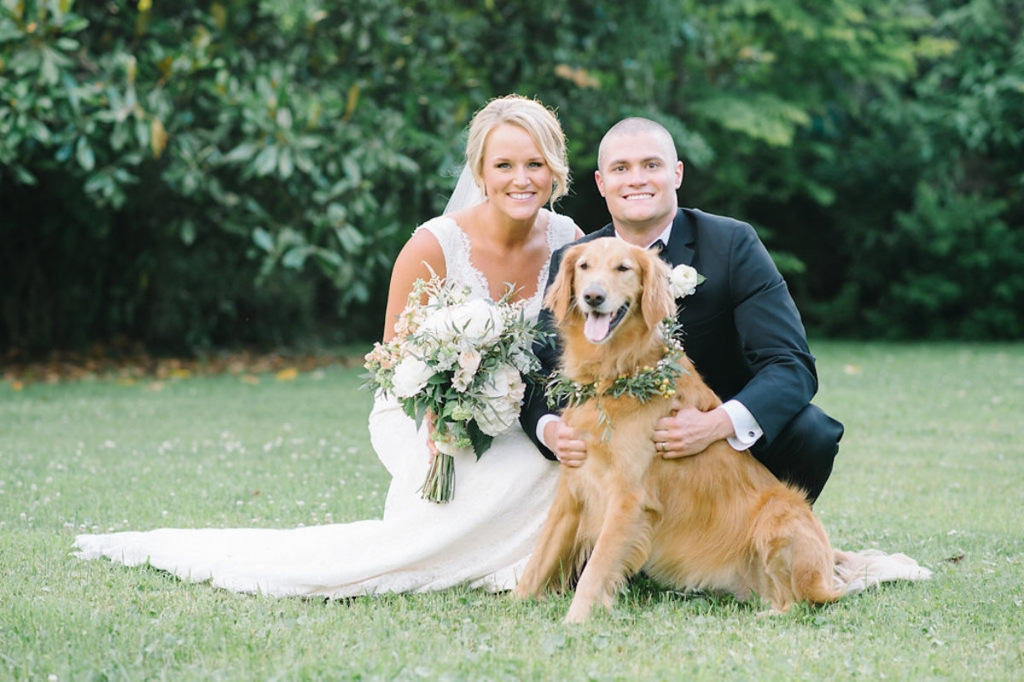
(803, 453)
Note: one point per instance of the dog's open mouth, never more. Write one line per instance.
(599, 326)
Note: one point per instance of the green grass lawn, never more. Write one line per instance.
(932, 465)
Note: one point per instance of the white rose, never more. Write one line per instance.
(469, 362)
(477, 322)
(411, 375)
(502, 396)
(684, 280)
(438, 327)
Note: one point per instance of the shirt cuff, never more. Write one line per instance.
(744, 425)
(541, 423)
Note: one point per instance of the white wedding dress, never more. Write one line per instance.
(482, 538)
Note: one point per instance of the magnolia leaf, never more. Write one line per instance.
(330, 257)
(284, 163)
(157, 137)
(351, 101)
(24, 177)
(295, 258)
(350, 238)
(284, 117)
(84, 154)
(761, 116)
(263, 239)
(266, 161)
(187, 232)
(352, 170)
(242, 152)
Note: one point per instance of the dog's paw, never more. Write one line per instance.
(522, 593)
(580, 612)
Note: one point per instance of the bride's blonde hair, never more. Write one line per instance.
(537, 120)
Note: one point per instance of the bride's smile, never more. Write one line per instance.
(517, 180)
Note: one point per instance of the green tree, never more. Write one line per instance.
(239, 171)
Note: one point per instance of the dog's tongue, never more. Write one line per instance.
(596, 326)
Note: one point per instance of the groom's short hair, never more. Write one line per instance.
(638, 125)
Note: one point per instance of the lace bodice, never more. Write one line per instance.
(458, 262)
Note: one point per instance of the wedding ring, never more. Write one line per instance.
(661, 446)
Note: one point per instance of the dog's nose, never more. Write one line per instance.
(594, 296)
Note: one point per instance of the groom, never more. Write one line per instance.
(740, 328)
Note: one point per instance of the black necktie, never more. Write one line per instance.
(661, 249)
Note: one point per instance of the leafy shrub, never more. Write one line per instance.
(244, 171)
(166, 169)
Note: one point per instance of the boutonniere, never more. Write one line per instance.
(685, 280)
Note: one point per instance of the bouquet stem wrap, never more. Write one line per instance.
(439, 486)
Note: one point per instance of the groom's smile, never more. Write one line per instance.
(638, 177)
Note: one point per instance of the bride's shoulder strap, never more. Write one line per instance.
(561, 230)
(448, 235)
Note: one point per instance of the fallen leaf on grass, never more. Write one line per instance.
(287, 374)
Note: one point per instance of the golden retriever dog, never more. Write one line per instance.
(716, 521)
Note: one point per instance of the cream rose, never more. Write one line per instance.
(411, 375)
(684, 280)
(478, 322)
(469, 362)
(504, 392)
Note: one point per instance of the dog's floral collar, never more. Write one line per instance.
(684, 280)
(644, 384)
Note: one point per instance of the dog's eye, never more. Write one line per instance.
(623, 267)
(582, 265)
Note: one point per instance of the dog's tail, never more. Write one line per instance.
(858, 571)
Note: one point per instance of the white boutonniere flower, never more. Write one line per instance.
(685, 280)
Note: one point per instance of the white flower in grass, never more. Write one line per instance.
(684, 280)
(411, 375)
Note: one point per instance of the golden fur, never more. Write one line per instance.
(718, 520)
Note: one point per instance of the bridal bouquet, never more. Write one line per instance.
(461, 362)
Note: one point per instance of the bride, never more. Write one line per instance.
(495, 232)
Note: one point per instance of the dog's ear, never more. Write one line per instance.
(656, 302)
(559, 298)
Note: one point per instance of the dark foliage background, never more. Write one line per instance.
(196, 175)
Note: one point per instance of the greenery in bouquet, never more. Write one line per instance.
(460, 362)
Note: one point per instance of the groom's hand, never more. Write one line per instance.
(566, 442)
(688, 431)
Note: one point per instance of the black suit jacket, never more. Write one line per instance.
(740, 328)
